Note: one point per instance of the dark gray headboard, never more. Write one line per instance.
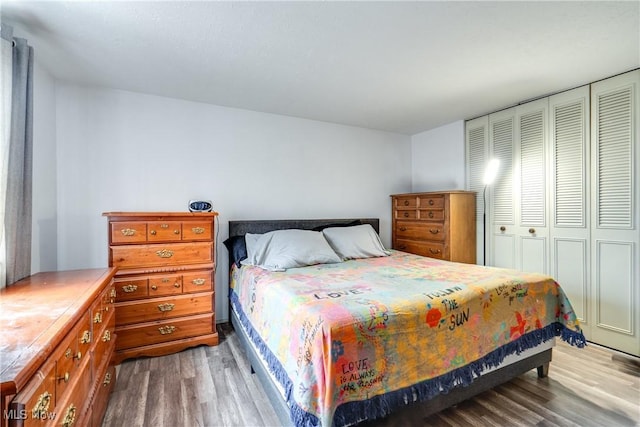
(240, 228)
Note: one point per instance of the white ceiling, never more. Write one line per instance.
(398, 66)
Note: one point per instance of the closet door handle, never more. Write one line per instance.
(532, 230)
(503, 228)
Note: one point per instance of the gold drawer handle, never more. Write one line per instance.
(430, 202)
(42, 406)
(68, 353)
(176, 285)
(197, 230)
(434, 231)
(165, 330)
(86, 338)
(406, 214)
(70, 416)
(176, 231)
(198, 282)
(430, 214)
(107, 379)
(98, 317)
(78, 356)
(165, 307)
(164, 225)
(112, 293)
(154, 288)
(403, 228)
(64, 378)
(128, 231)
(107, 336)
(153, 232)
(130, 288)
(165, 280)
(435, 252)
(406, 203)
(164, 253)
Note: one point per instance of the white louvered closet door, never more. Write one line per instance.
(615, 193)
(519, 223)
(502, 240)
(570, 214)
(477, 147)
(532, 226)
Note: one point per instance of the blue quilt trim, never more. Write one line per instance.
(382, 405)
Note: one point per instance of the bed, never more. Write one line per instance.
(339, 342)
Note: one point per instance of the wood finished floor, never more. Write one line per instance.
(213, 386)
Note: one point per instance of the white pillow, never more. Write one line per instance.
(359, 241)
(250, 242)
(282, 249)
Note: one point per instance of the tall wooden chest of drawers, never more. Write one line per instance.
(57, 348)
(438, 225)
(165, 292)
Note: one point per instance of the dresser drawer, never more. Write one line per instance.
(84, 337)
(431, 215)
(432, 201)
(105, 339)
(103, 307)
(109, 298)
(420, 231)
(405, 214)
(128, 232)
(406, 202)
(199, 281)
(71, 353)
(96, 313)
(140, 256)
(37, 398)
(164, 231)
(168, 284)
(158, 332)
(424, 248)
(71, 409)
(128, 288)
(200, 230)
(105, 385)
(164, 308)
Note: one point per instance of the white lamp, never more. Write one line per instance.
(490, 173)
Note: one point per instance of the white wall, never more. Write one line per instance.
(44, 221)
(123, 151)
(437, 158)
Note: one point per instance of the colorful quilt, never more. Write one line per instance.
(356, 339)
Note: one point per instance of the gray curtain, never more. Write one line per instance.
(20, 164)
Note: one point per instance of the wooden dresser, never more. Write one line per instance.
(438, 225)
(57, 347)
(165, 293)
